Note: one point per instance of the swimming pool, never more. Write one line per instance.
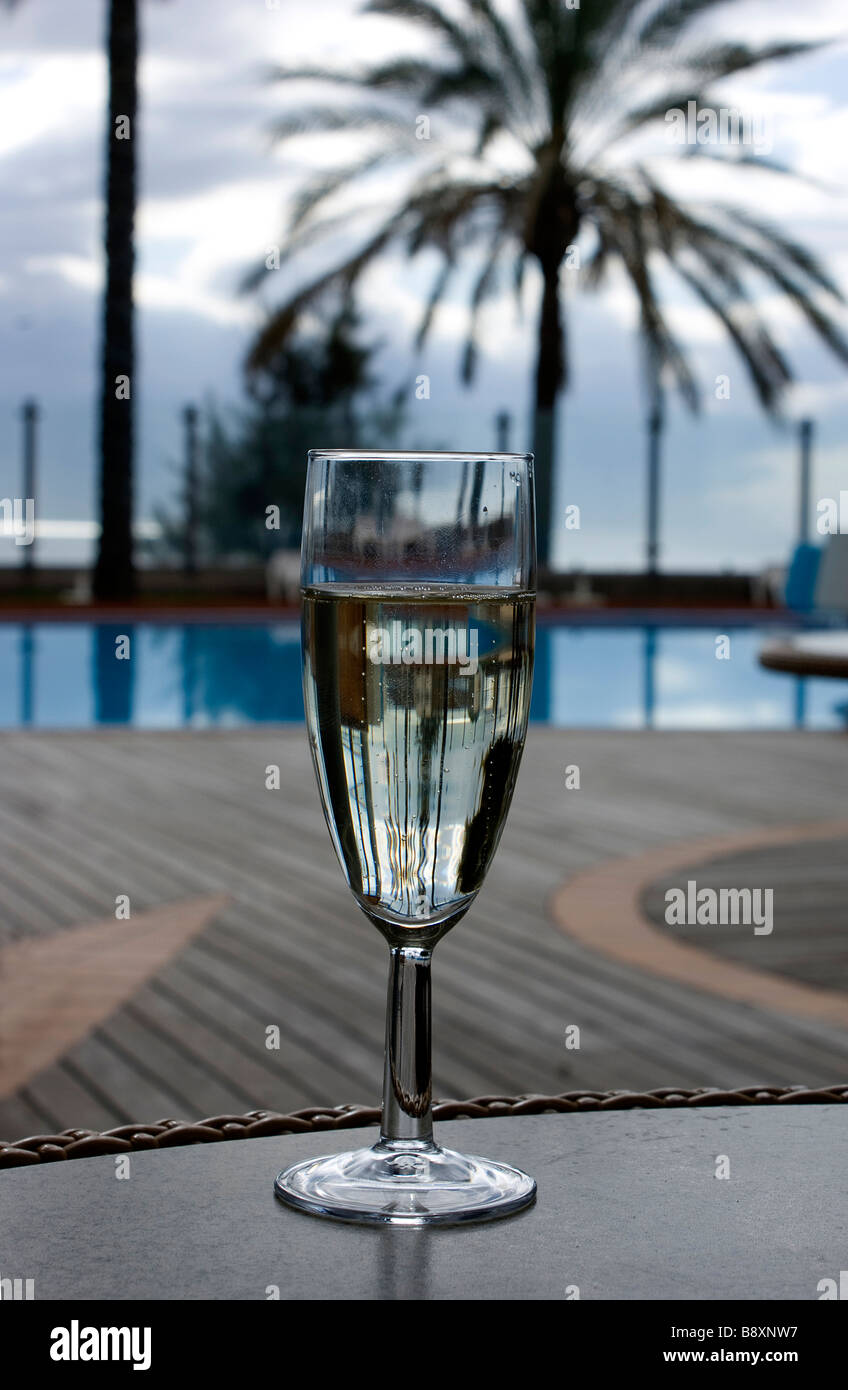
(609, 671)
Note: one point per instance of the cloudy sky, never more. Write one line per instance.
(213, 198)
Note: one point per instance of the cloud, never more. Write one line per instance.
(39, 99)
(212, 197)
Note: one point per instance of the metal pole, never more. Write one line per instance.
(805, 431)
(503, 424)
(654, 432)
(27, 672)
(29, 414)
(190, 547)
(649, 685)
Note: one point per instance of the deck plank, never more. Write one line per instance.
(165, 816)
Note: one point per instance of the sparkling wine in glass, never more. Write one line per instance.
(418, 591)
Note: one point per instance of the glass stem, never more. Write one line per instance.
(407, 1085)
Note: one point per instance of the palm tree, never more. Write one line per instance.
(114, 575)
(535, 100)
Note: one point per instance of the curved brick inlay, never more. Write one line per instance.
(601, 908)
(55, 989)
(808, 883)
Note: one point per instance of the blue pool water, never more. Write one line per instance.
(604, 673)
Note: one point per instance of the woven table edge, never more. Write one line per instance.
(262, 1124)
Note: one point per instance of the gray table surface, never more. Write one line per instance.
(629, 1207)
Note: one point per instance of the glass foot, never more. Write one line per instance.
(405, 1185)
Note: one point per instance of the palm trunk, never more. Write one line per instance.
(114, 575)
(549, 377)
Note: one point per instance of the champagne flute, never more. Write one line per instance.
(418, 586)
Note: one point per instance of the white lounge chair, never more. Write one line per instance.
(282, 576)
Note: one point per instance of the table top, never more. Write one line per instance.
(808, 654)
(629, 1206)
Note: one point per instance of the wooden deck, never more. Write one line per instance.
(167, 817)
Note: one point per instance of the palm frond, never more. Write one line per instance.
(435, 298)
(691, 70)
(316, 72)
(519, 266)
(747, 159)
(492, 124)
(343, 277)
(818, 319)
(505, 42)
(484, 287)
(662, 24)
(595, 268)
(626, 231)
(441, 207)
(469, 82)
(766, 366)
(400, 73)
(682, 237)
(659, 107)
(308, 234)
(725, 60)
(727, 258)
(793, 251)
(329, 182)
(323, 120)
(431, 16)
(678, 225)
(662, 346)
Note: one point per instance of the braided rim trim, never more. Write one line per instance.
(263, 1124)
